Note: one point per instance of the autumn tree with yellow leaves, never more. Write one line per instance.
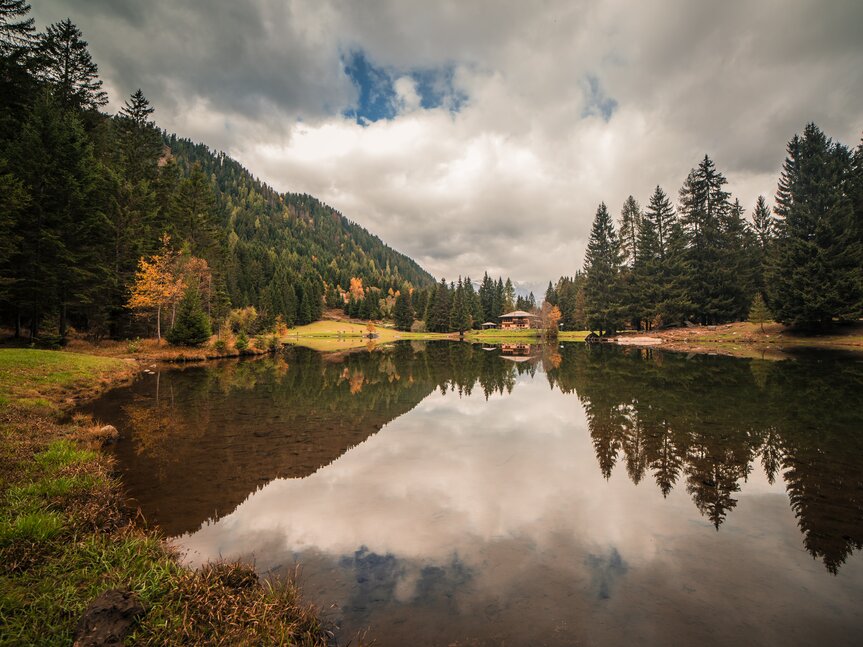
(162, 279)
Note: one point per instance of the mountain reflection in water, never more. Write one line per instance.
(584, 494)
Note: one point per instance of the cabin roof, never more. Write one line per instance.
(516, 313)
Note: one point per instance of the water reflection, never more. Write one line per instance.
(443, 493)
(705, 420)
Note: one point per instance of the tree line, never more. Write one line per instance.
(705, 262)
(88, 201)
(458, 306)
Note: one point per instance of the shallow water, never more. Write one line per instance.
(444, 493)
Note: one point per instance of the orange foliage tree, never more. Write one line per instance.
(356, 289)
(155, 284)
(550, 317)
(162, 279)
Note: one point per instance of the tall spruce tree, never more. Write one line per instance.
(403, 311)
(816, 274)
(439, 309)
(508, 296)
(630, 224)
(763, 224)
(705, 215)
(551, 295)
(18, 87)
(65, 63)
(647, 272)
(460, 319)
(16, 29)
(602, 265)
(193, 212)
(140, 141)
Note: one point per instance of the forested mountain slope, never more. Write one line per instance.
(264, 228)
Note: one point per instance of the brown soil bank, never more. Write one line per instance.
(744, 339)
(74, 568)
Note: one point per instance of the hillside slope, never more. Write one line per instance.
(265, 228)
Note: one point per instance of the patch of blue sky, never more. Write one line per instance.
(376, 95)
(597, 102)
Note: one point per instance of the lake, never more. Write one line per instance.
(445, 493)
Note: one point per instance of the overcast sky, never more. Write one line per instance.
(482, 135)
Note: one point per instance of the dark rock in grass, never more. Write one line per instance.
(108, 434)
(108, 619)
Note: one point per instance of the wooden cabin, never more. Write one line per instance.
(518, 320)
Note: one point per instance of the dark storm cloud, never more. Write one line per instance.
(248, 58)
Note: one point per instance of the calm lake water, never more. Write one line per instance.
(445, 493)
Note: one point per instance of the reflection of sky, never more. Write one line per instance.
(482, 511)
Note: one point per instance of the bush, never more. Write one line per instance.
(242, 342)
(243, 320)
(192, 327)
(133, 345)
(220, 346)
(418, 326)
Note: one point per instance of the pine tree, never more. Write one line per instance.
(630, 224)
(551, 295)
(602, 266)
(499, 303)
(758, 312)
(473, 303)
(705, 209)
(193, 212)
(14, 200)
(763, 223)
(16, 30)
(647, 274)
(140, 141)
(403, 313)
(460, 319)
(508, 296)
(439, 309)
(304, 307)
(65, 63)
(816, 274)
(192, 326)
(486, 298)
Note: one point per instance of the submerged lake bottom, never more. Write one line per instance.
(444, 493)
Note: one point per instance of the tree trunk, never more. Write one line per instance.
(62, 327)
(159, 323)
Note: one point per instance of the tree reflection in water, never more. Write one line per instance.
(706, 419)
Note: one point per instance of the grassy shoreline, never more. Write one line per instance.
(66, 538)
(747, 340)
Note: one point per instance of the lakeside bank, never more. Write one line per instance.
(76, 565)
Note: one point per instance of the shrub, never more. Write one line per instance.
(220, 346)
(242, 342)
(243, 320)
(133, 345)
(418, 326)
